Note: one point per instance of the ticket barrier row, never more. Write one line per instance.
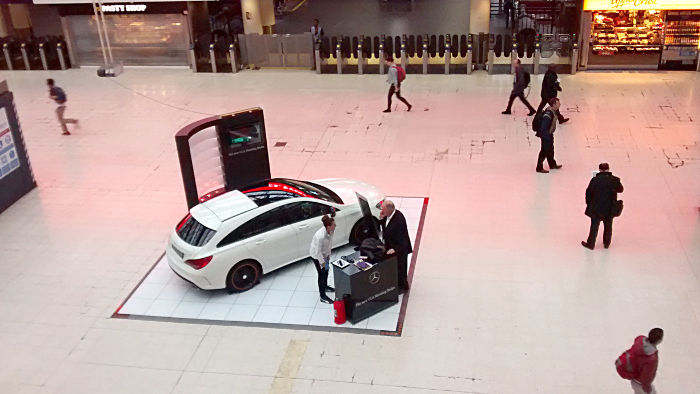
(451, 56)
(42, 54)
(216, 57)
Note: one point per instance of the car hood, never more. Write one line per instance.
(346, 189)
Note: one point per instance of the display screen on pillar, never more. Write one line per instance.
(244, 148)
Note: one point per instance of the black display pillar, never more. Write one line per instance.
(238, 157)
(16, 176)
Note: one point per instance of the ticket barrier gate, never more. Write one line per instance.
(41, 54)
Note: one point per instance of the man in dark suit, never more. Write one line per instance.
(601, 198)
(550, 87)
(396, 239)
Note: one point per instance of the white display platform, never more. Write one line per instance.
(287, 297)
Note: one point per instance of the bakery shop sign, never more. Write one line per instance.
(123, 8)
(604, 5)
(623, 4)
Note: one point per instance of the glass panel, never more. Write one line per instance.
(145, 40)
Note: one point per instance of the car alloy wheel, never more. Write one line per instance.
(243, 276)
(361, 230)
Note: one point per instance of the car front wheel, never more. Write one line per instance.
(362, 230)
(243, 276)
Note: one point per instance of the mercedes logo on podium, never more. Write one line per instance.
(374, 277)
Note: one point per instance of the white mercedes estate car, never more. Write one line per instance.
(232, 239)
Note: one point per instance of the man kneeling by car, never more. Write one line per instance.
(320, 252)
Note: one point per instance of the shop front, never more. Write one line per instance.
(140, 34)
(640, 34)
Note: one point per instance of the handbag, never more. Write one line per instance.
(617, 208)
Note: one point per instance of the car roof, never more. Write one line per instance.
(222, 208)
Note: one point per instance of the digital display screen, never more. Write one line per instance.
(242, 136)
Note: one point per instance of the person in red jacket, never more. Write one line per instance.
(639, 363)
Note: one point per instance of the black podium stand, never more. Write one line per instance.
(366, 292)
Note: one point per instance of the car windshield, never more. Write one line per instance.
(266, 192)
(195, 233)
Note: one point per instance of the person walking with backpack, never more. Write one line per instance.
(59, 96)
(546, 124)
(395, 76)
(521, 81)
(602, 205)
(638, 364)
(550, 87)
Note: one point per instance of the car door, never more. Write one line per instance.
(305, 217)
(271, 239)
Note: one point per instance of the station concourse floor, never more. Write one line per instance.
(504, 298)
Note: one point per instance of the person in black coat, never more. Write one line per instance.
(550, 87)
(601, 199)
(396, 239)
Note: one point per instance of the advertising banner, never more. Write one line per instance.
(9, 161)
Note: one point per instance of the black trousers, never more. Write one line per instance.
(322, 278)
(392, 91)
(546, 152)
(544, 102)
(402, 262)
(522, 98)
(593, 232)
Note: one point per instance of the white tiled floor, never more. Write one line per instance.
(288, 295)
(505, 300)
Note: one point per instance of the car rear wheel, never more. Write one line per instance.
(362, 230)
(243, 276)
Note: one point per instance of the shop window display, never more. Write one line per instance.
(632, 37)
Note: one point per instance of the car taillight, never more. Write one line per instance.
(198, 264)
(379, 204)
(212, 194)
(182, 222)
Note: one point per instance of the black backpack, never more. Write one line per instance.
(526, 78)
(373, 249)
(537, 121)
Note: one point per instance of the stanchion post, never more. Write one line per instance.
(426, 56)
(61, 57)
(338, 56)
(25, 58)
(8, 58)
(491, 53)
(404, 56)
(317, 54)
(536, 56)
(513, 55)
(212, 57)
(574, 55)
(360, 56)
(42, 55)
(470, 55)
(234, 59)
(192, 58)
(448, 54)
(381, 55)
